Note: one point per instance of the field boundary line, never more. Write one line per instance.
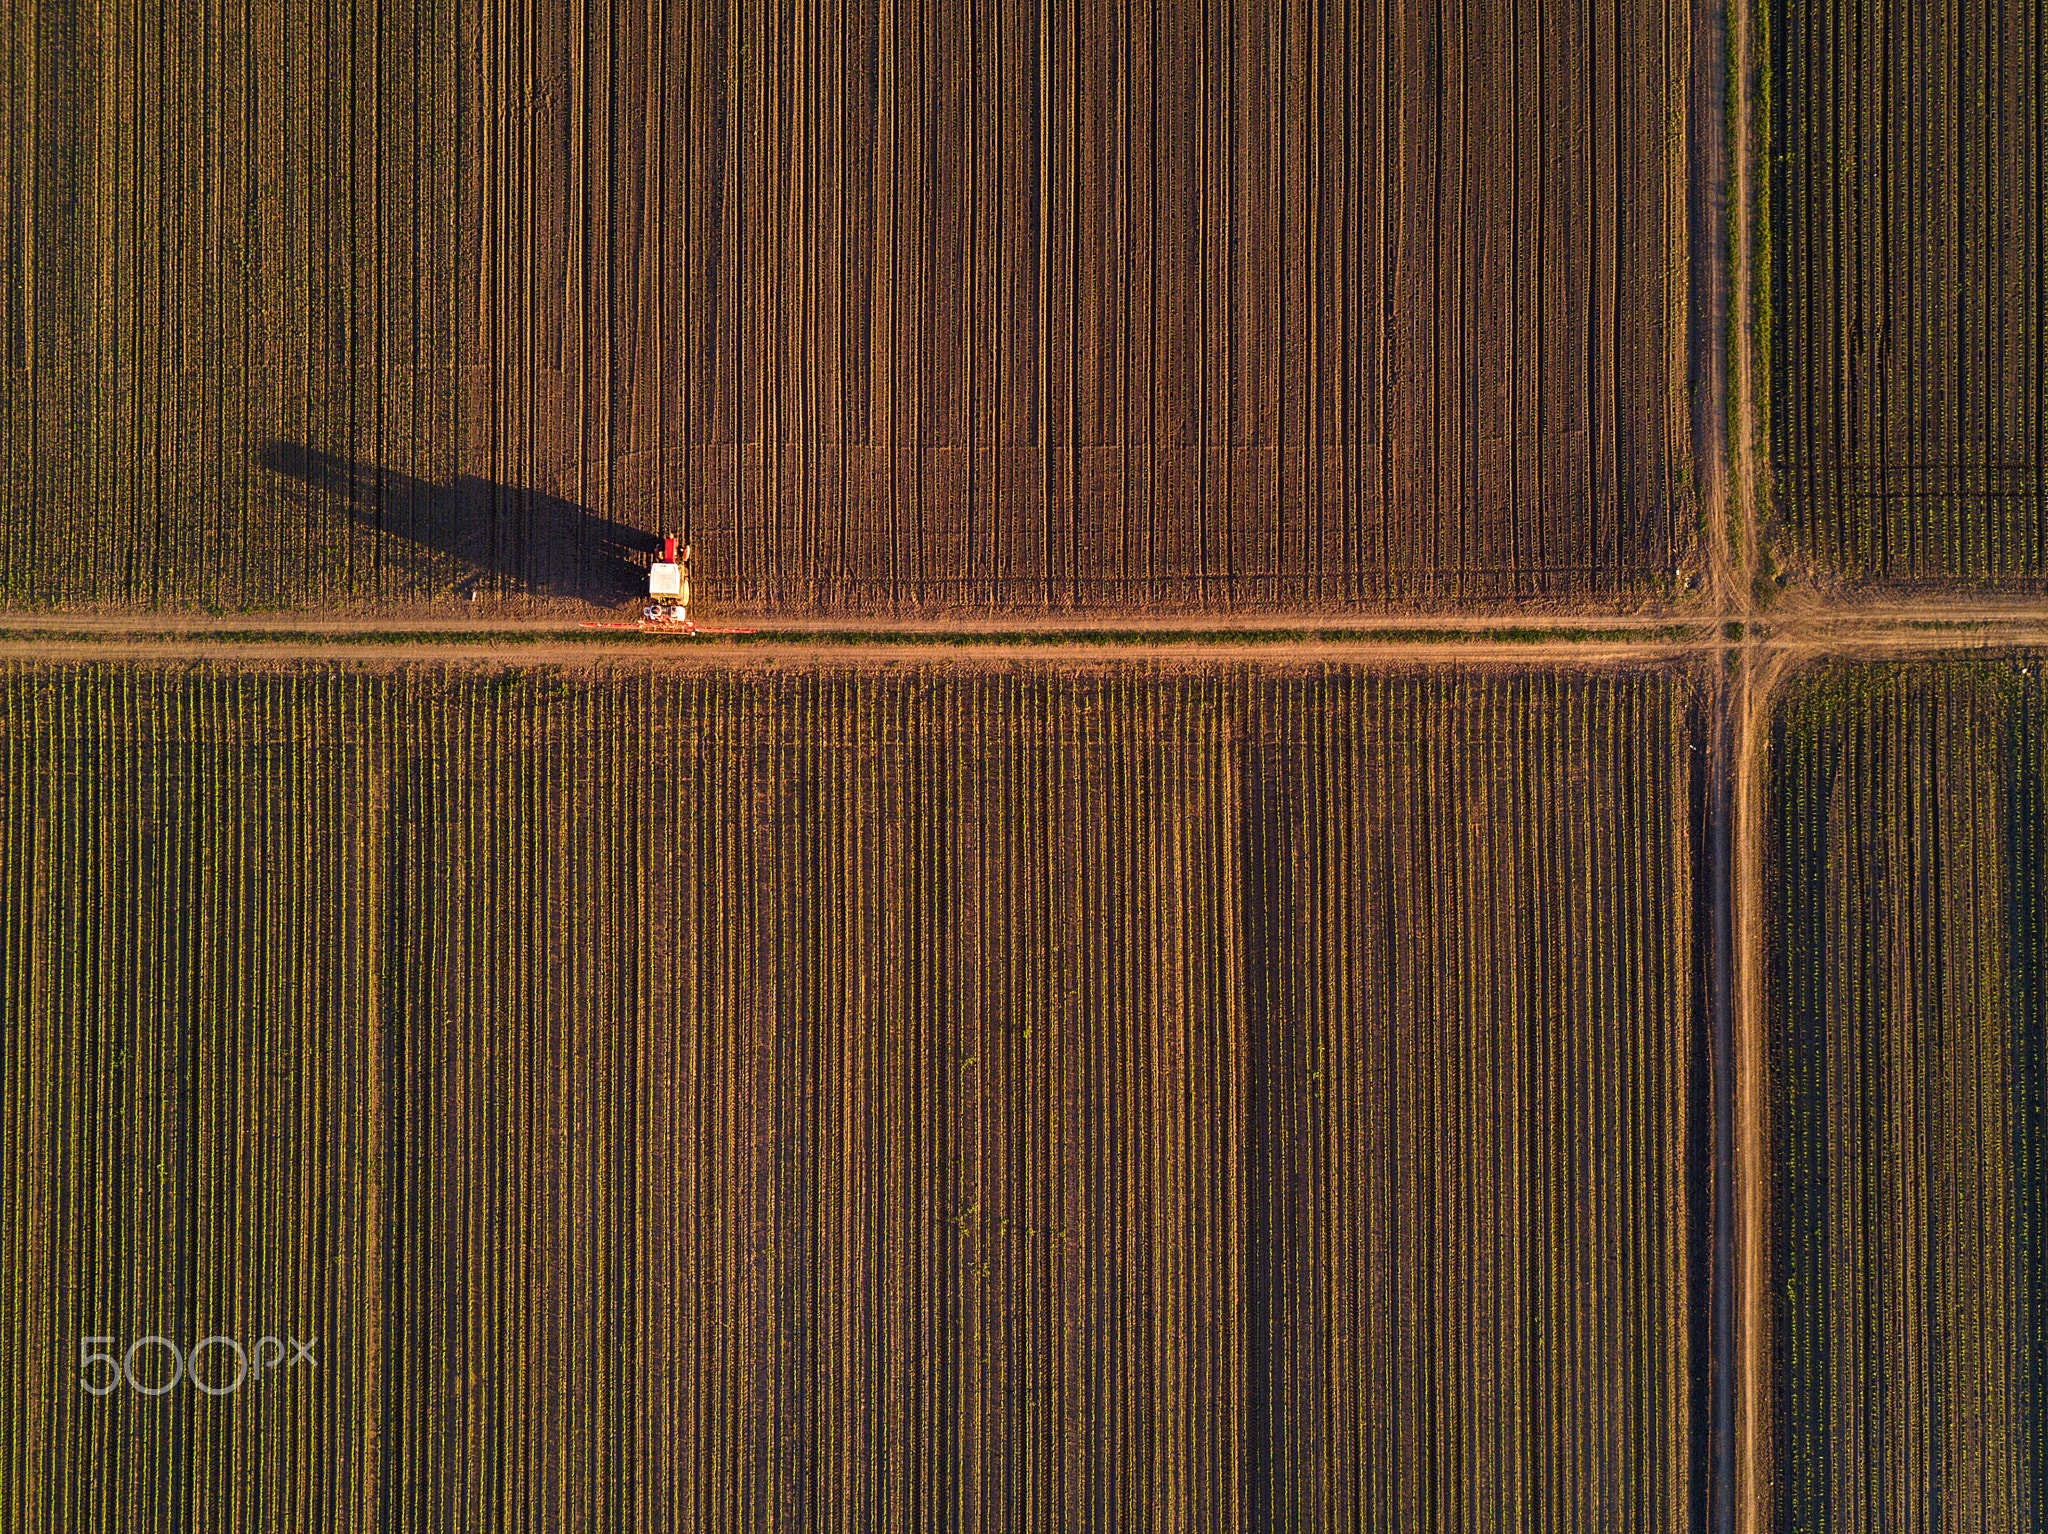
(1892, 629)
(1399, 653)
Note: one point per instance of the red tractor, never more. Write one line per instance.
(668, 598)
(668, 587)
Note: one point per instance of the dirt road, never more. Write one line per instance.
(626, 650)
(455, 620)
(1759, 680)
(1803, 632)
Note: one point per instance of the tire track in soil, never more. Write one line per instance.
(1721, 384)
(1720, 1408)
(1392, 654)
(1887, 627)
(1758, 683)
(1760, 676)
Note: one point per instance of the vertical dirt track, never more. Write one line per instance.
(1756, 679)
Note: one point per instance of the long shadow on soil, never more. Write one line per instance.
(526, 539)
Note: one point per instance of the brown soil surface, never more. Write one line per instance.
(892, 308)
(1802, 630)
(677, 653)
(1757, 683)
(461, 620)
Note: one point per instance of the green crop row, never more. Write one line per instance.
(1909, 1294)
(936, 1099)
(1905, 288)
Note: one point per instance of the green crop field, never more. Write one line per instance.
(858, 1100)
(1905, 279)
(1909, 1292)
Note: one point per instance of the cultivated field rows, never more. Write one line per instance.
(1126, 1098)
(1908, 1104)
(1905, 273)
(1286, 306)
(746, 1096)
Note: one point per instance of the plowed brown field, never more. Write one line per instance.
(949, 306)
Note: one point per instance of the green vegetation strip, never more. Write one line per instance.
(861, 638)
(1907, 834)
(591, 1066)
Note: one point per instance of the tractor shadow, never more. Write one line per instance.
(520, 540)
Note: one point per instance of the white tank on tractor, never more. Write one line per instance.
(668, 585)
